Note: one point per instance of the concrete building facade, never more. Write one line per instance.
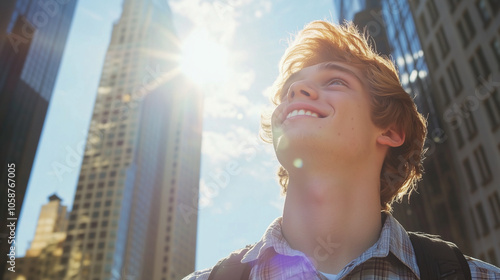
(443, 61)
(43, 256)
(28, 70)
(461, 40)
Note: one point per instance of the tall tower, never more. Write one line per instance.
(42, 258)
(461, 43)
(141, 161)
(28, 70)
(51, 226)
(438, 206)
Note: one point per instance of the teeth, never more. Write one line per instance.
(301, 112)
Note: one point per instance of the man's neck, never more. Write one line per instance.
(331, 220)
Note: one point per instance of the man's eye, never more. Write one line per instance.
(336, 81)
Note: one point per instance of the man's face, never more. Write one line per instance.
(324, 109)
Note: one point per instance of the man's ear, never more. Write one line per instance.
(392, 137)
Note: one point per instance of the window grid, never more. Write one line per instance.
(454, 78)
(482, 219)
(466, 28)
(484, 167)
(431, 8)
(444, 47)
(494, 201)
(470, 175)
(492, 104)
(484, 11)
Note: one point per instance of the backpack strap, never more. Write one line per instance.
(438, 259)
(231, 267)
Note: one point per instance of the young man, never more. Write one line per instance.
(350, 142)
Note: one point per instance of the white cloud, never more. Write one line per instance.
(236, 143)
(95, 16)
(224, 208)
(227, 101)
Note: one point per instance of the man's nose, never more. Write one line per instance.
(301, 89)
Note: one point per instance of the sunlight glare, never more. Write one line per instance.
(203, 59)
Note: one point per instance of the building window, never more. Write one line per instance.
(443, 43)
(458, 134)
(484, 11)
(492, 104)
(452, 4)
(495, 47)
(494, 201)
(466, 28)
(482, 219)
(479, 65)
(454, 78)
(470, 124)
(495, 5)
(444, 91)
(423, 24)
(492, 257)
(433, 62)
(431, 8)
(482, 163)
(470, 175)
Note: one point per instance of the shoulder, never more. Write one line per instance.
(482, 270)
(199, 275)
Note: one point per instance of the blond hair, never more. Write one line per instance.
(322, 41)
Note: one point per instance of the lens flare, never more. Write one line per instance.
(204, 60)
(298, 163)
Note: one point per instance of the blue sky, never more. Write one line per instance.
(239, 193)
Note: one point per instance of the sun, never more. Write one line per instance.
(204, 60)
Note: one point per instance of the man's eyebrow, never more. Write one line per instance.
(335, 66)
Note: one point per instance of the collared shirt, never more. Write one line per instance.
(391, 257)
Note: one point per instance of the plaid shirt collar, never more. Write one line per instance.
(393, 238)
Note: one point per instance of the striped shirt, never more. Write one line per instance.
(391, 257)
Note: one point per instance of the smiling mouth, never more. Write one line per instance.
(302, 112)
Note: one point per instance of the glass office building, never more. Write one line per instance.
(33, 35)
(461, 43)
(142, 159)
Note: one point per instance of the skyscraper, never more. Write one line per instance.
(461, 43)
(141, 162)
(457, 89)
(437, 207)
(42, 258)
(28, 70)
